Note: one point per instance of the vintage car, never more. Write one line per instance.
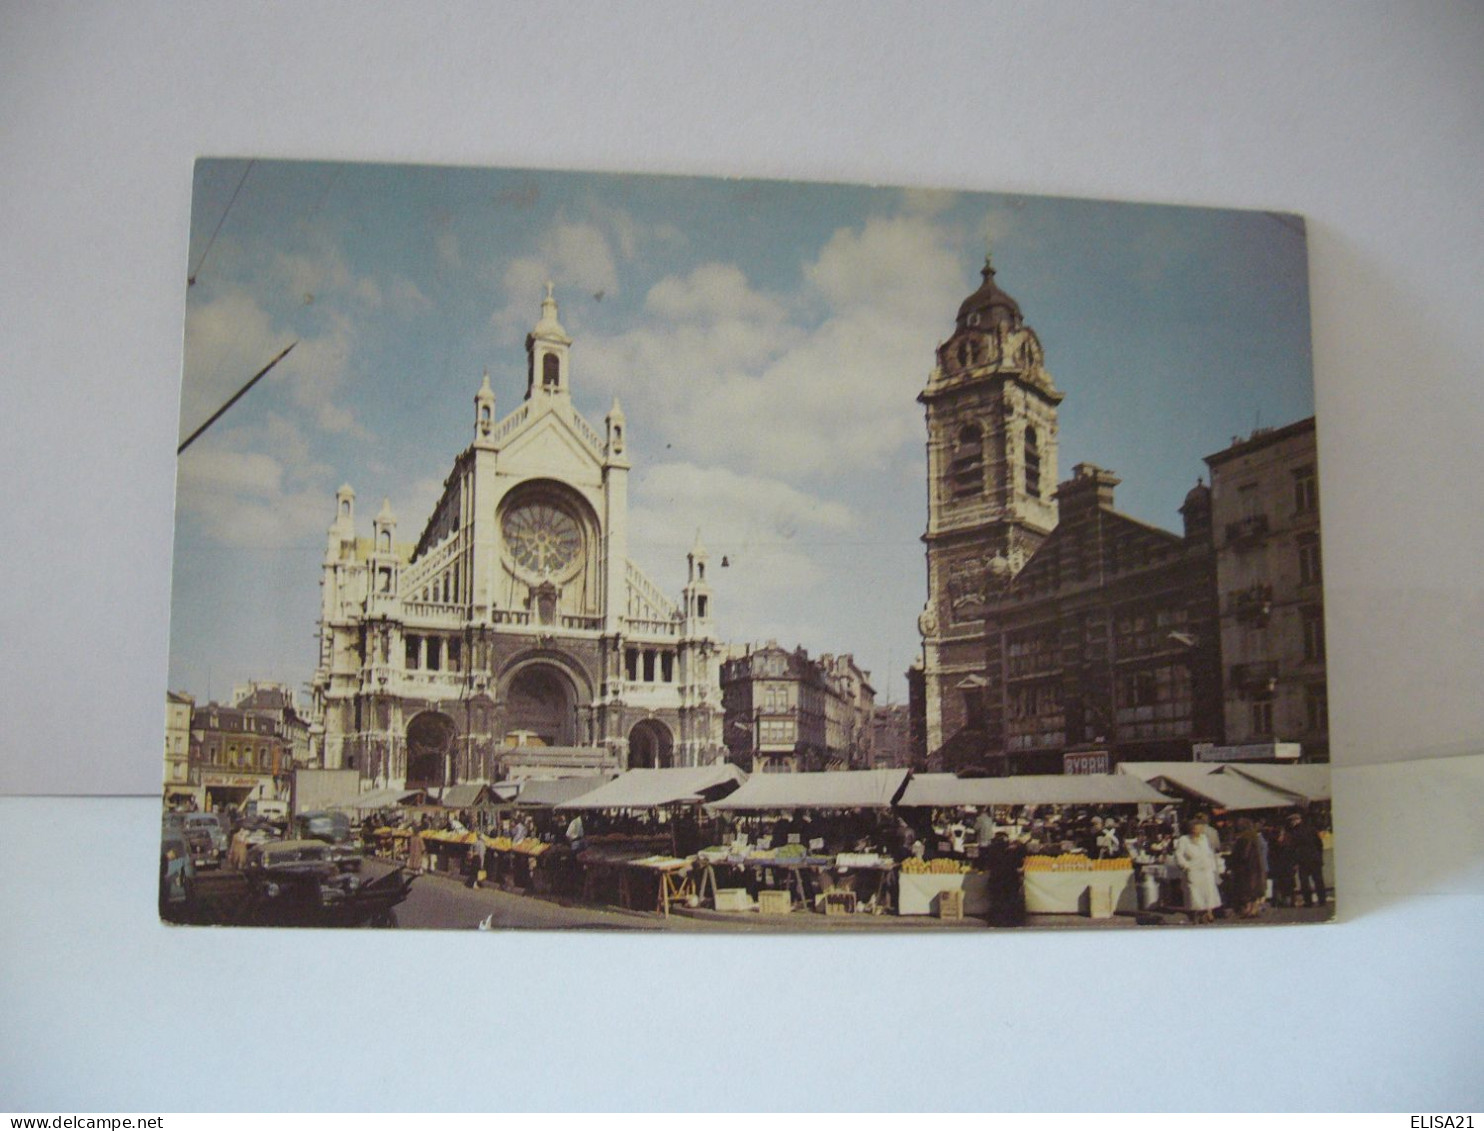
(295, 883)
(203, 850)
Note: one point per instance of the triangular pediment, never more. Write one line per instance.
(554, 444)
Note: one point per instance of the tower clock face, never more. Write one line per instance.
(542, 539)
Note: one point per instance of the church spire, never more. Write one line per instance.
(547, 346)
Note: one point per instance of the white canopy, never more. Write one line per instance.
(946, 790)
(549, 792)
(1212, 782)
(374, 799)
(846, 789)
(647, 789)
(1309, 780)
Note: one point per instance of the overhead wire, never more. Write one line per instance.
(191, 278)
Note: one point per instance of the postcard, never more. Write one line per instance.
(570, 550)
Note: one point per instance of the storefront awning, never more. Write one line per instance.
(649, 789)
(1211, 783)
(946, 791)
(848, 789)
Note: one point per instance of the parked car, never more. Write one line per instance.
(215, 825)
(313, 884)
(203, 850)
(330, 826)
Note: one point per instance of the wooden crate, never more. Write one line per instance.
(950, 904)
(774, 902)
(733, 899)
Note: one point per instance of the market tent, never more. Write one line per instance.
(377, 799)
(946, 790)
(649, 789)
(463, 796)
(1309, 781)
(848, 789)
(1210, 783)
(544, 793)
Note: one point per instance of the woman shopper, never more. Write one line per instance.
(1248, 883)
(1199, 866)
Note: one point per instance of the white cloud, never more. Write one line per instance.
(817, 383)
(575, 255)
(769, 532)
(256, 488)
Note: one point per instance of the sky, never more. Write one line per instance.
(767, 340)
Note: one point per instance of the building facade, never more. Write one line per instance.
(515, 621)
(179, 787)
(237, 756)
(278, 702)
(1103, 648)
(891, 737)
(1269, 579)
(786, 713)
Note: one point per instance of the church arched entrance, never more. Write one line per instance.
(651, 746)
(429, 742)
(541, 706)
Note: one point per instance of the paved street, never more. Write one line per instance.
(440, 901)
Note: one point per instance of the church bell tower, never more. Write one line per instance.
(991, 410)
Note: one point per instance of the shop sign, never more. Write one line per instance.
(1251, 752)
(1085, 762)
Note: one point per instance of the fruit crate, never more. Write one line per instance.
(950, 904)
(733, 899)
(774, 902)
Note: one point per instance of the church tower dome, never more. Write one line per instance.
(989, 306)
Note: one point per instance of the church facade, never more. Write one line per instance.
(514, 636)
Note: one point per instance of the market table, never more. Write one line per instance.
(830, 869)
(917, 890)
(1059, 885)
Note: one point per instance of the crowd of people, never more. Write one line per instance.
(1285, 854)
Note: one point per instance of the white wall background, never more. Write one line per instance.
(1364, 117)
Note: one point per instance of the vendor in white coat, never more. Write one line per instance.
(1199, 867)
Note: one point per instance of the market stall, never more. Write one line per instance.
(1067, 883)
(818, 856)
(644, 829)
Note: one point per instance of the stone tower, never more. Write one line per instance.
(992, 442)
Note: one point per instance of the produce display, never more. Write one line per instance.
(1075, 862)
(940, 867)
(789, 852)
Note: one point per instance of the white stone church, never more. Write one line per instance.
(514, 637)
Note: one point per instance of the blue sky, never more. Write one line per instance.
(767, 340)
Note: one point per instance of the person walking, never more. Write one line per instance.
(417, 852)
(476, 862)
(1199, 867)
